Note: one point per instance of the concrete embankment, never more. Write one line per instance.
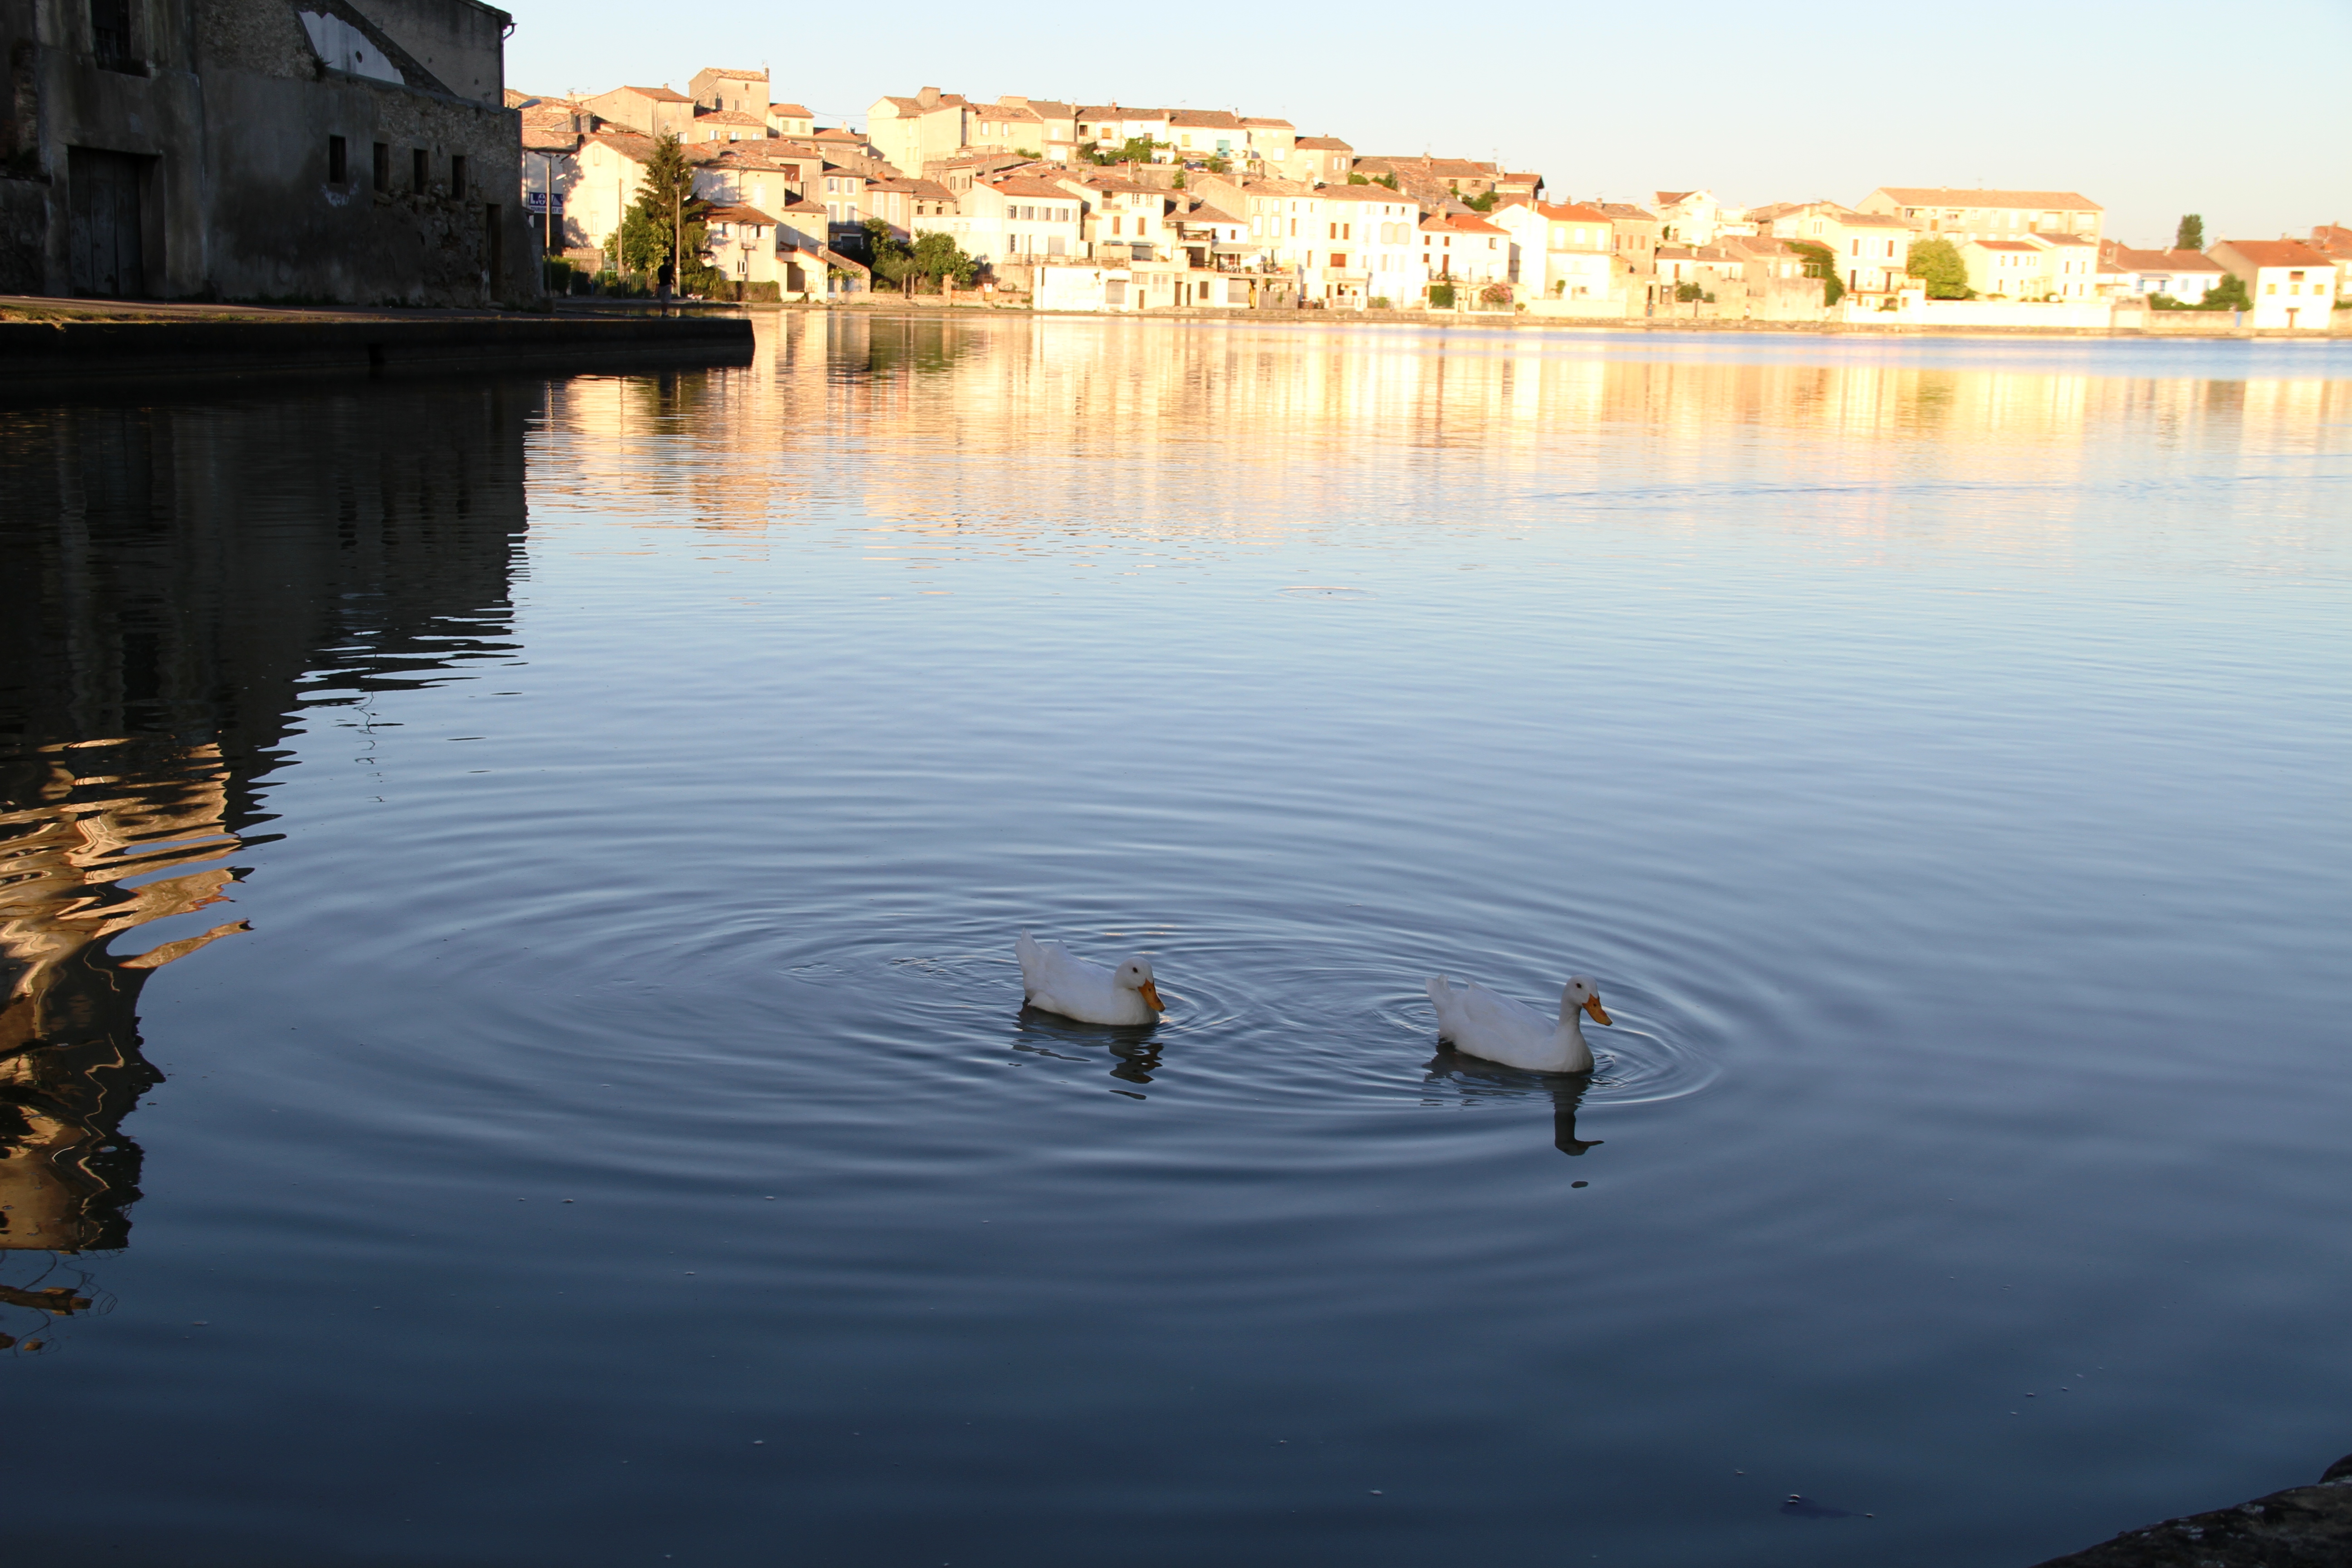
(2301, 1527)
(43, 343)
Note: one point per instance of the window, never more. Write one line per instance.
(339, 161)
(458, 177)
(380, 167)
(110, 36)
(420, 170)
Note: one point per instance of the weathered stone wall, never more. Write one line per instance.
(282, 230)
(230, 108)
(461, 42)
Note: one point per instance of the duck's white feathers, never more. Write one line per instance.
(1481, 1023)
(1058, 981)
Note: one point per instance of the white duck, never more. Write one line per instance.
(1478, 1023)
(1059, 980)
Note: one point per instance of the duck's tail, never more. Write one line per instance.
(1026, 949)
(1442, 992)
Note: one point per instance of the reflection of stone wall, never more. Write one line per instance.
(174, 574)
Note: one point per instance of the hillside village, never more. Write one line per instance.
(1113, 207)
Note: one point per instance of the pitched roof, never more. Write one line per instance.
(1207, 213)
(628, 143)
(2278, 253)
(1324, 144)
(790, 110)
(1268, 123)
(2057, 239)
(1027, 185)
(1217, 119)
(1571, 212)
(659, 94)
(1625, 212)
(744, 72)
(1871, 220)
(1951, 196)
(2332, 238)
(1668, 199)
(1462, 223)
(739, 214)
(2007, 245)
(728, 117)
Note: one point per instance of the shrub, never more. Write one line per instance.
(1821, 264)
(1938, 263)
(1496, 294)
(2230, 294)
(1441, 296)
(1382, 302)
(771, 291)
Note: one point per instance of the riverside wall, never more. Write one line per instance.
(36, 355)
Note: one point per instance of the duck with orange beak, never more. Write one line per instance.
(1478, 1023)
(1056, 980)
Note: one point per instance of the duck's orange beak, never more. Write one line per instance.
(1593, 1005)
(1151, 994)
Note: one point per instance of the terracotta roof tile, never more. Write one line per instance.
(1948, 196)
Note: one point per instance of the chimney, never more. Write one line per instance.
(928, 97)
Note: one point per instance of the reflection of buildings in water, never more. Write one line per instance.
(177, 576)
(69, 1062)
(959, 435)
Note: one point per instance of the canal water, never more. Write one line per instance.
(514, 1056)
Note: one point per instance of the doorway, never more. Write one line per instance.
(107, 240)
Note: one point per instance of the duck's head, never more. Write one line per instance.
(1136, 975)
(1583, 993)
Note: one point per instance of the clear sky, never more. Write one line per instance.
(2236, 111)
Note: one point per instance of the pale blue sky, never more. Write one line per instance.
(2236, 111)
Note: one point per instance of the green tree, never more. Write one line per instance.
(1219, 165)
(1821, 264)
(2191, 235)
(665, 223)
(2230, 294)
(1482, 203)
(1388, 180)
(1134, 150)
(892, 258)
(1356, 179)
(937, 254)
(1938, 263)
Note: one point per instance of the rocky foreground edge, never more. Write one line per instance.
(2301, 1527)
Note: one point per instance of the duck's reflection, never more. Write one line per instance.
(1134, 1052)
(1476, 1078)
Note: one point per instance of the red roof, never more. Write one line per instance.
(2277, 252)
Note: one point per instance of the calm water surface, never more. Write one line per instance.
(514, 1033)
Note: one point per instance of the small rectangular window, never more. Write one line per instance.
(381, 168)
(339, 161)
(458, 177)
(420, 170)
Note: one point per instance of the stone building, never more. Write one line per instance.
(351, 152)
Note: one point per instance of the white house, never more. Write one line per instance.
(2292, 285)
